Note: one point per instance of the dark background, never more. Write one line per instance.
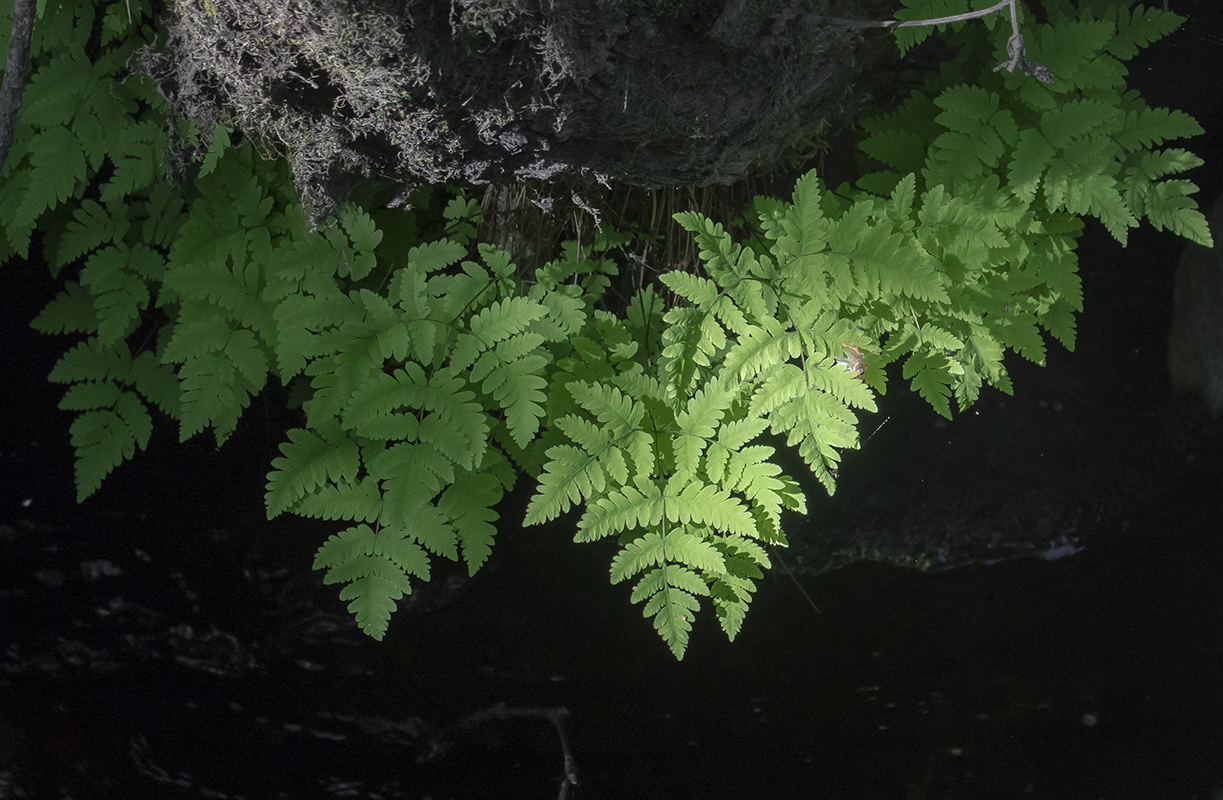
(165, 640)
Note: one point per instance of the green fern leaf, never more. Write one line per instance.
(589, 436)
(636, 556)
(136, 156)
(58, 89)
(671, 575)
(731, 595)
(157, 382)
(707, 504)
(305, 328)
(622, 510)
(468, 503)
(673, 611)
(1150, 127)
(1020, 333)
(931, 380)
(345, 500)
(697, 424)
(1066, 49)
(57, 167)
(199, 331)
(1157, 164)
(413, 474)
(1029, 161)
(214, 394)
(1059, 320)
(308, 461)
(90, 361)
(71, 311)
(365, 236)
(901, 139)
(569, 477)
(405, 500)
(104, 438)
(93, 226)
(518, 389)
(119, 295)
(381, 394)
(1077, 119)
(613, 408)
(504, 318)
(448, 440)
(218, 143)
(1139, 27)
(90, 395)
(376, 566)
(1168, 205)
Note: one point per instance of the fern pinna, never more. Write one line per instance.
(434, 371)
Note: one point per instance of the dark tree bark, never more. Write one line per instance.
(14, 73)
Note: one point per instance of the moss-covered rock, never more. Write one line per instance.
(640, 91)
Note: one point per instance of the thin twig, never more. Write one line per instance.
(789, 572)
(1014, 46)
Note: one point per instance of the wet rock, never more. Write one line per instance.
(1195, 345)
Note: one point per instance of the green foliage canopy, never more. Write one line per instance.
(435, 372)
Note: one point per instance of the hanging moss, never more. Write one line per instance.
(424, 91)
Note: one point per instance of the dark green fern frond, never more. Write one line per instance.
(106, 435)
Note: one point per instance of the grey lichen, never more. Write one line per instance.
(474, 91)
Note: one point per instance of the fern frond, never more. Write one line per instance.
(90, 361)
(673, 610)
(1139, 27)
(93, 226)
(105, 437)
(412, 475)
(621, 510)
(468, 504)
(309, 460)
(1169, 206)
(613, 408)
(1150, 127)
(214, 394)
(1077, 119)
(760, 349)
(57, 162)
(58, 89)
(90, 395)
(697, 424)
(505, 318)
(365, 237)
(570, 476)
(345, 500)
(659, 578)
(135, 151)
(71, 311)
(931, 380)
(376, 566)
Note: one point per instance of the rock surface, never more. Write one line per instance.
(1195, 345)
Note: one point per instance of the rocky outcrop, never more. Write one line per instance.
(1195, 344)
(645, 92)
